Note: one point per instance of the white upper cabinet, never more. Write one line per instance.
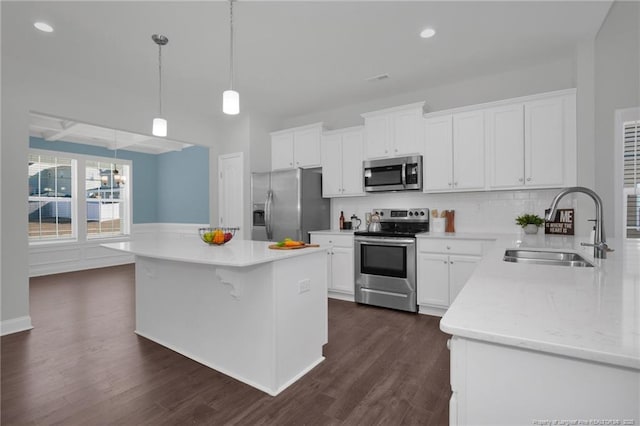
(296, 147)
(438, 164)
(282, 151)
(468, 151)
(505, 133)
(532, 144)
(455, 159)
(342, 162)
(394, 131)
(522, 143)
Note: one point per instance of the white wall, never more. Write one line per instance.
(25, 90)
(509, 84)
(249, 135)
(617, 86)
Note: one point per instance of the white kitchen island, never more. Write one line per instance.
(252, 313)
(539, 344)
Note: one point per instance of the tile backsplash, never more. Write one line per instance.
(475, 211)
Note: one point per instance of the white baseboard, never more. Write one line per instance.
(15, 325)
(341, 296)
(431, 310)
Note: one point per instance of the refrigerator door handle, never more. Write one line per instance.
(267, 215)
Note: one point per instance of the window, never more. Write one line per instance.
(59, 203)
(51, 180)
(631, 136)
(106, 198)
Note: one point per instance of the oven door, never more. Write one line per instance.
(385, 272)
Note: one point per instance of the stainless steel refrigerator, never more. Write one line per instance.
(289, 204)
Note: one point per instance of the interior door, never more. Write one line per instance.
(230, 192)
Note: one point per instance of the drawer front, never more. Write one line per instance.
(473, 247)
(332, 240)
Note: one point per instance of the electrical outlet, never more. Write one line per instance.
(304, 286)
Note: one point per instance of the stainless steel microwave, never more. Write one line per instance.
(393, 174)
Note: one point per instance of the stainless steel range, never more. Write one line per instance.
(385, 261)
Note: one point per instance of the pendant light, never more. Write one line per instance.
(159, 123)
(116, 178)
(230, 98)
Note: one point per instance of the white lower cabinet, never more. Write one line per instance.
(494, 384)
(443, 267)
(340, 253)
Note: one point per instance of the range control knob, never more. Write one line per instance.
(416, 213)
(381, 213)
(421, 213)
(410, 213)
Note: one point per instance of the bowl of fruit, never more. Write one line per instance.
(217, 236)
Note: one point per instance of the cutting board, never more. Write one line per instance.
(275, 247)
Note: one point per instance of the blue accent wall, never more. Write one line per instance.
(169, 188)
(183, 182)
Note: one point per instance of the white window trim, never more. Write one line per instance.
(79, 233)
(621, 116)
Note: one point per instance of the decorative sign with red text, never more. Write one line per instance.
(562, 224)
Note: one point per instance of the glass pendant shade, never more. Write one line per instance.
(159, 127)
(231, 102)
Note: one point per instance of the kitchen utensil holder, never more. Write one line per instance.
(438, 225)
(450, 215)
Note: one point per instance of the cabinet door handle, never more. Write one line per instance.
(455, 183)
(396, 150)
(291, 164)
(448, 247)
(445, 262)
(451, 263)
(449, 183)
(528, 179)
(521, 180)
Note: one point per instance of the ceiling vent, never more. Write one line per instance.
(377, 77)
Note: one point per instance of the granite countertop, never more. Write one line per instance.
(586, 313)
(235, 253)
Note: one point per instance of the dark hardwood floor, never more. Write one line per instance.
(83, 365)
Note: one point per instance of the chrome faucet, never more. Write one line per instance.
(600, 247)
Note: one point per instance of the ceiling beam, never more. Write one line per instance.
(67, 127)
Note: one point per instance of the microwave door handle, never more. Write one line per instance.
(404, 175)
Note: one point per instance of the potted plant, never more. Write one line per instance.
(530, 223)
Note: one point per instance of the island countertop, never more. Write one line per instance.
(587, 313)
(190, 249)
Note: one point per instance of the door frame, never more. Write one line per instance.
(221, 159)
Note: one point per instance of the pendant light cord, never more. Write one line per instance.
(231, 44)
(160, 78)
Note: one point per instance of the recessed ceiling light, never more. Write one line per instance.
(44, 27)
(428, 33)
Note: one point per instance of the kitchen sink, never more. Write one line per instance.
(542, 257)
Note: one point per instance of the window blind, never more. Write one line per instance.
(632, 155)
(632, 177)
